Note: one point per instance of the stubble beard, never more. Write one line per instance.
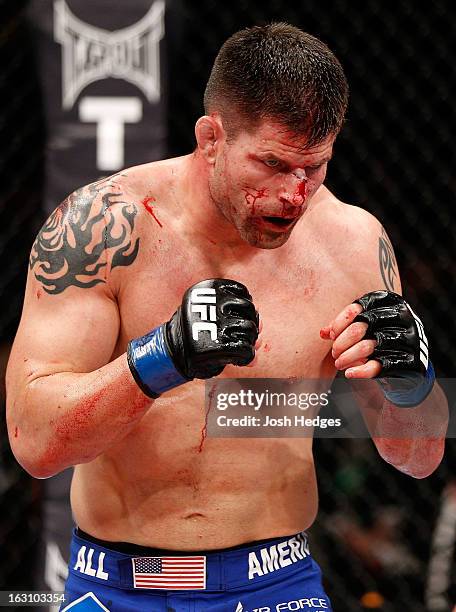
(262, 238)
(245, 226)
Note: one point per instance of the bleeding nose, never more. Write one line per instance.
(298, 196)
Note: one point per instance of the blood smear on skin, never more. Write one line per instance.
(149, 208)
(204, 430)
(69, 425)
(324, 333)
(251, 199)
(302, 189)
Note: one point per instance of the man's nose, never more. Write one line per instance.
(294, 189)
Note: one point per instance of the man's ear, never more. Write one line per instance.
(210, 135)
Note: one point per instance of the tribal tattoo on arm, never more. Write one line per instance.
(387, 261)
(93, 226)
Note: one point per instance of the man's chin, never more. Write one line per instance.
(265, 240)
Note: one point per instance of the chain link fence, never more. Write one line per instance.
(394, 158)
(21, 182)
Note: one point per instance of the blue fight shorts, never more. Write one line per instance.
(264, 576)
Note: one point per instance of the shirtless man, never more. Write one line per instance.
(90, 385)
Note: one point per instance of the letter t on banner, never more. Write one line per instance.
(110, 114)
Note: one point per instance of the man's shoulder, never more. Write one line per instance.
(349, 217)
(128, 194)
(94, 209)
(361, 244)
(95, 230)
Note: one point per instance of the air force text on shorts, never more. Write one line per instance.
(317, 604)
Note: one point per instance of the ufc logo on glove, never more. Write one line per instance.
(200, 298)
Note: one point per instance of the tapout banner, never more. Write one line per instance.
(102, 67)
(103, 74)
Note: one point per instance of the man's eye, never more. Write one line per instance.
(272, 163)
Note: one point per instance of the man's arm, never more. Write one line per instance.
(66, 403)
(411, 439)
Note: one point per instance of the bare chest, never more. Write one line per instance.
(294, 300)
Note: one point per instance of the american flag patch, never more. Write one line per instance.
(169, 572)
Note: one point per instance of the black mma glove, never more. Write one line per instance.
(216, 324)
(407, 375)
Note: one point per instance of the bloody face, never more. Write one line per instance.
(263, 181)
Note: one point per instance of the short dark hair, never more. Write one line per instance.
(277, 71)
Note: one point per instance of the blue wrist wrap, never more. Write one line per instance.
(151, 364)
(412, 392)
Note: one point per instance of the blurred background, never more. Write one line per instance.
(77, 103)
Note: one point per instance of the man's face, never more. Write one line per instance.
(263, 181)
